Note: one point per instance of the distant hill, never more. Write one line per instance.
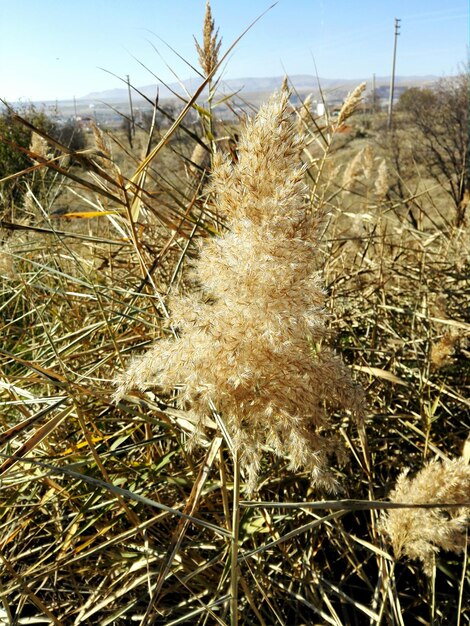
(251, 85)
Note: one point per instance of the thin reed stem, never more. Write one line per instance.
(234, 572)
(385, 582)
(462, 580)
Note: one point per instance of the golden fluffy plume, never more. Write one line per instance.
(251, 339)
(421, 533)
(351, 103)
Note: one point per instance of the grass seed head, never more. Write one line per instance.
(200, 160)
(251, 339)
(421, 533)
(351, 103)
(209, 51)
(354, 170)
(382, 183)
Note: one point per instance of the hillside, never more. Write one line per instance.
(257, 85)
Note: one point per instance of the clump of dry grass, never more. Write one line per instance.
(251, 340)
(421, 533)
(89, 529)
(443, 349)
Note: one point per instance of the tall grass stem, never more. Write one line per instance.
(234, 572)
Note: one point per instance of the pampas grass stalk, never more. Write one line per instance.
(252, 334)
(208, 54)
(234, 568)
(250, 337)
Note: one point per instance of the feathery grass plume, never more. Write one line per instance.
(354, 170)
(7, 271)
(209, 51)
(421, 533)
(351, 103)
(250, 340)
(102, 146)
(382, 183)
(369, 161)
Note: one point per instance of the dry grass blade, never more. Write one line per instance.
(15, 430)
(290, 535)
(125, 493)
(60, 233)
(35, 439)
(380, 373)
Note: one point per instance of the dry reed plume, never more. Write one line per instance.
(351, 103)
(382, 183)
(353, 171)
(421, 533)
(250, 340)
(209, 51)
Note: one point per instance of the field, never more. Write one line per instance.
(172, 502)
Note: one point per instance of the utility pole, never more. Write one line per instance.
(392, 80)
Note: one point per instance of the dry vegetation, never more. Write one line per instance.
(241, 288)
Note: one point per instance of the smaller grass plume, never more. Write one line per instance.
(422, 533)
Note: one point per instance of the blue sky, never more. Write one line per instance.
(54, 49)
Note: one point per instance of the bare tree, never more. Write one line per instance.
(439, 117)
